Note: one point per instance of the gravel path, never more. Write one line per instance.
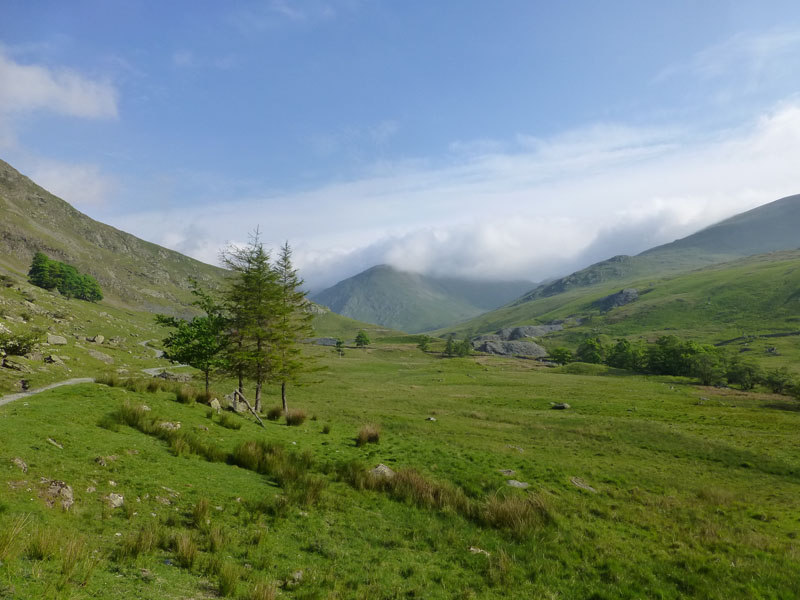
(12, 397)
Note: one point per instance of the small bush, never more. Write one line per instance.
(326, 429)
(274, 413)
(295, 417)
(368, 434)
(229, 421)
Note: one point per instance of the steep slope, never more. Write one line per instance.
(131, 272)
(412, 302)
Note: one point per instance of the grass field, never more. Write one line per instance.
(692, 491)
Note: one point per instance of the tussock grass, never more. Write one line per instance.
(517, 513)
(185, 548)
(217, 539)
(295, 417)
(43, 543)
(186, 394)
(200, 513)
(275, 413)
(110, 379)
(368, 434)
(143, 541)
(10, 536)
(228, 578)
(262, 590)
(228, 421)
(326, 429)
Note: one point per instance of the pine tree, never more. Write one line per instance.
(293, 323)
(253, 303)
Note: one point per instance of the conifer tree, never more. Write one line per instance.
(293, 322)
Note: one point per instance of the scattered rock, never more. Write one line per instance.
(528, 331)
(56, 340)
(382, 471)
(52, 359)
(431, 419)
(215, 405)
(101, 356)
(55, 443)
(115, 500)
(518, 484)
(475, 550)
(559, 405)
(16, 365)
(510, 348)
(57, 492)
(91, 489)
(170, 426)
(98, 339)
(621, 298)
(112, 483)
(173, 377)
(517, 448)
(100, 461)
(21, 464)
(578, 482)
(508, 472)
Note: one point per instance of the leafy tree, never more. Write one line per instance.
(424, 342)
(778, 380)
(561, 355)
(744, 372)
(450, 346)
(340, 347)
(708, 365)
(253, 303)
(590, 351)
(626, 355)
(292, 325)
(52, 274)
(671, 355)
(361, 339)
(199, 342)
(463, 348)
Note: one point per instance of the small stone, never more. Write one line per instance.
(475, 550)
(518, 484)
(115, 500)
(101, 356)
(508, 472)
(52, 359)
(559, 405)
(91, 489)
(58, 491)
(382, 471)
(100, 461)
(55, 443)
(98, 339)
(215, 405)
(112, 483)
(578, 482)
(56, 340)
(170, 426)
(21, 464)
(431, 419)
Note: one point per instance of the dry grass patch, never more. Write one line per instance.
(295, 417)
(368, 434)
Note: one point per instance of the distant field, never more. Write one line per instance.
(693, 490)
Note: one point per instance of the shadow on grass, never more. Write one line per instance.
(789, 406)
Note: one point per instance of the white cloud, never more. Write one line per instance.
(538, 209)
(25, 88)
(82, 185)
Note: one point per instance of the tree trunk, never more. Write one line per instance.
(283, 397)
(258, 396)
(206, 382)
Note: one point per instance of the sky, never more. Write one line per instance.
(514, 139)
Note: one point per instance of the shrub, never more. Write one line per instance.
(326, 429)
(275, 413)
(368, 434)
(19, 344)
(295, 417)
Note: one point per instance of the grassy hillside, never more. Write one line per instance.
(754, 296)
(645, 488)
(129, 336)
(132, 272)
(769, 228)
(412, 302)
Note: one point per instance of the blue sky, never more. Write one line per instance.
(485, 139)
